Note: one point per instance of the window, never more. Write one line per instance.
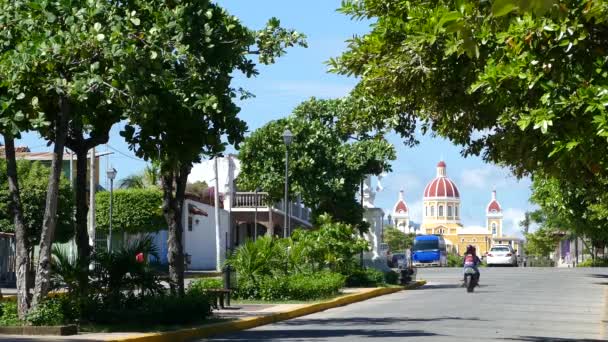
(456, 211)
(432, 210)
(440, 210)
(190, 223)
(426, 210)
(449, 211)
(494, 228)
(461, 240)
(473, 240)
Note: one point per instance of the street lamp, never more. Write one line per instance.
(255, 217)
(111, 173)
(287, 138)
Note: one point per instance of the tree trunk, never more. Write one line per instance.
(49, 222)
(82, 234)
(172, 210)
(22, 256)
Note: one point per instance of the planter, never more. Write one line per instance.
(59, 330)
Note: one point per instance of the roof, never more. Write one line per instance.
(192, 209)
(400, 206)
(441, 187)
(493, 206)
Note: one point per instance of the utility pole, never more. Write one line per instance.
(216, 200)
(92, 189)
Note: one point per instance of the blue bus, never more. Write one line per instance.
(429, 250)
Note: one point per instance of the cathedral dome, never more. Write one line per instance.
(441, 186)
(493, 206)
(400, 206)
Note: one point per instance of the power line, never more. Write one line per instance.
(124, 154)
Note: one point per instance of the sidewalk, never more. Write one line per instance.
(238, 317)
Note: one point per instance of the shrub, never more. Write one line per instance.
(363, 278)
(454, 260)
(8, 313)
(314, 286)
(149, 310)
(47, 312)
(391, 277)
(292, 287)
(598, 262)
(199, 285)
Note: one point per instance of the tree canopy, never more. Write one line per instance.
(34, 178)
(524, 84)
(326, 166)
(396, 239)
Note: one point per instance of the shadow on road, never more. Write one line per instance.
(14, 338)
(307, 335)
(552, 339)
(596, 275)
(440, 286)
(371, 320)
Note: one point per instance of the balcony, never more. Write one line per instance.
(249, 201)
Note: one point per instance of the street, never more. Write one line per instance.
(512, 304)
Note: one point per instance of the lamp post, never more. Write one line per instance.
(287, 138)
(255, 217)
(111, 173)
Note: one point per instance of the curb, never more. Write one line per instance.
(252, 322)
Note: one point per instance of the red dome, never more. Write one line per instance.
(494, 206)
(441, 187)
(401, 207)
(441, 164)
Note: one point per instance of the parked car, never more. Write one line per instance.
(501, 255)
(398, 260)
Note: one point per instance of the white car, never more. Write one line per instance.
(501, 255)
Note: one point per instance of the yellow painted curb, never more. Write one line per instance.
(252, 322)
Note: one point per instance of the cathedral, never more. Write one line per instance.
(441, 216)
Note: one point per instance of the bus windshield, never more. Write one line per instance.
(420, 245)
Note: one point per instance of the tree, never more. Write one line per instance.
(147, 179)
(33, 182)
(541, 242)
(327, 163)
(183, 99)
(63, 60)
(134, 210)
(521, 83)
(196, 188)
(396, 239)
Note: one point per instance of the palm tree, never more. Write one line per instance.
(149, 178)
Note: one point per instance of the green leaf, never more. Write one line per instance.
(135, 21)
(503, 7)
(100, 37)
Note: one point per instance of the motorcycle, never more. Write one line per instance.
(470, 278)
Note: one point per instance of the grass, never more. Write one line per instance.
(260, 301)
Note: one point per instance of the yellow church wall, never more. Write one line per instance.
(477, 240)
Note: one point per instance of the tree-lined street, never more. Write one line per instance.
(512, 304)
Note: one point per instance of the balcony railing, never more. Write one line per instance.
(260, 200)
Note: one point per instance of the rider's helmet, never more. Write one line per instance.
(470, 249)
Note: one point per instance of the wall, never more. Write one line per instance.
(199, 239)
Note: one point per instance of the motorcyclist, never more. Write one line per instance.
(472, 260)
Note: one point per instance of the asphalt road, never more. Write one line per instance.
(512, 304)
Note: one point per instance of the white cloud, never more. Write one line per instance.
(511, 219)
(476, 178)
(415, 211)
(409, 182)
(486, 178)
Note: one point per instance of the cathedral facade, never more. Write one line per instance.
(441, 216)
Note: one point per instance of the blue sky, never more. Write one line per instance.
(302, 74)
